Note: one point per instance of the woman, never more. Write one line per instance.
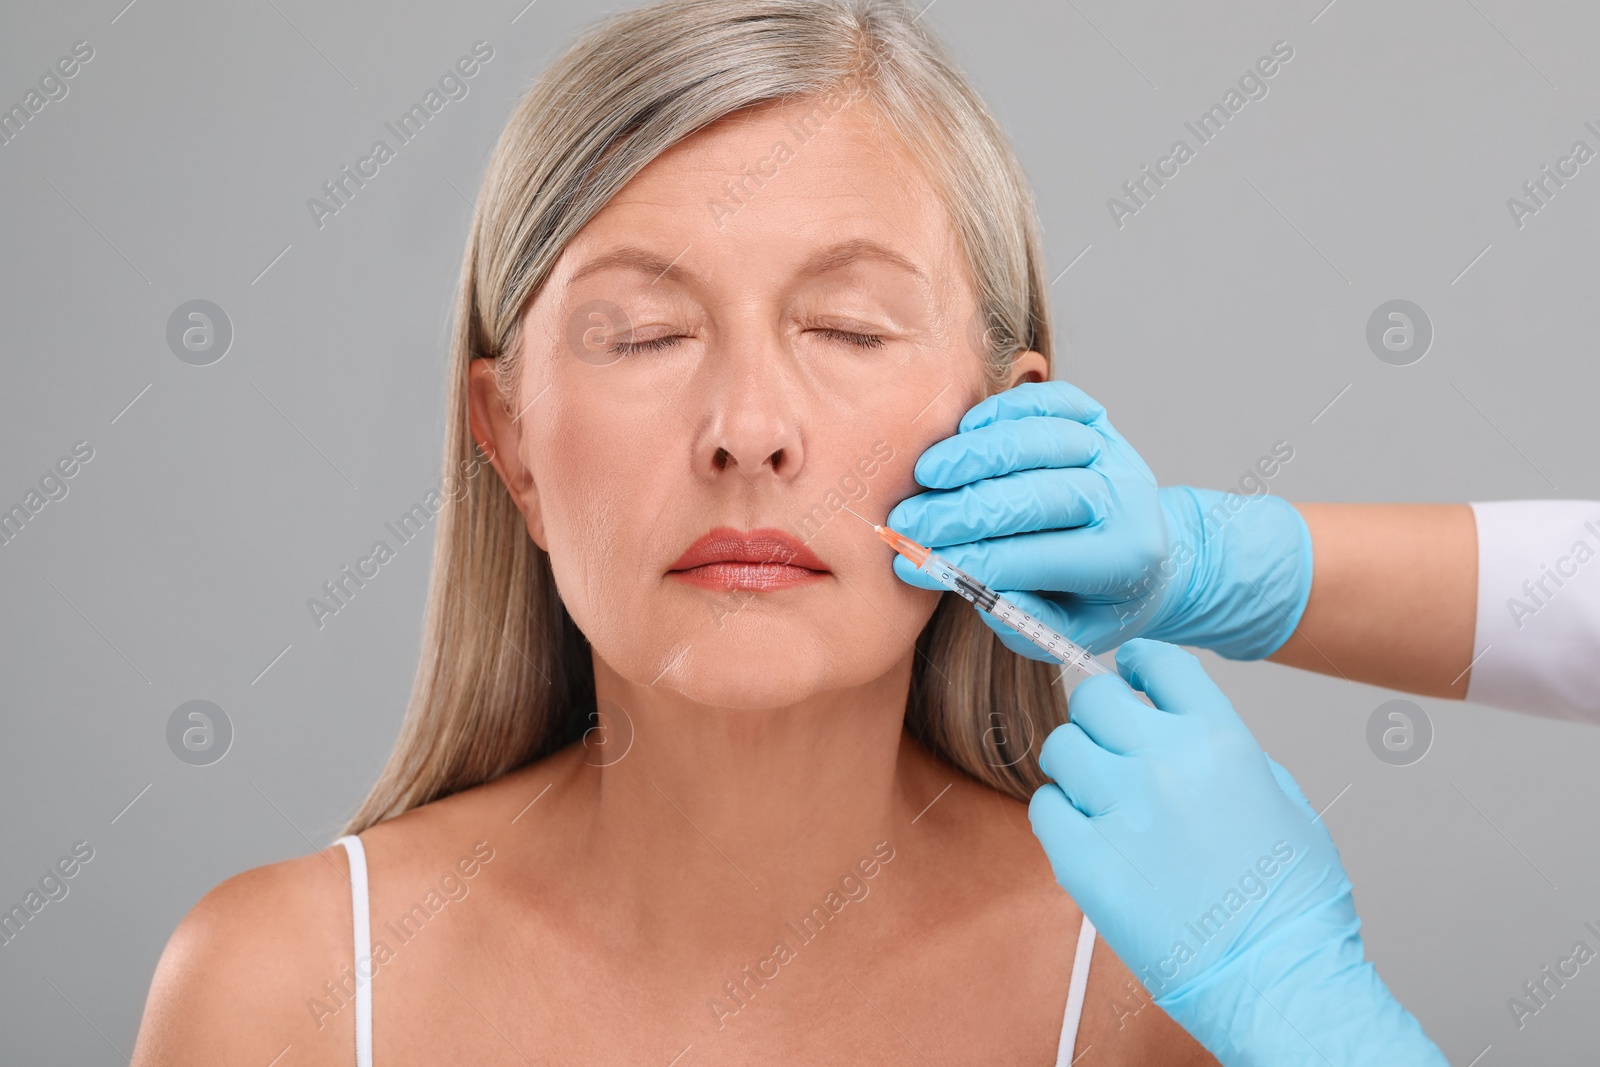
(689, 775)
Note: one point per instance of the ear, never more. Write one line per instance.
(499, 436)
(1028, 366)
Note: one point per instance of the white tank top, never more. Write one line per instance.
(361, 915)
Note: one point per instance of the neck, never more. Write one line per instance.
(712, 826)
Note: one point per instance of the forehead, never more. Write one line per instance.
(780, 181)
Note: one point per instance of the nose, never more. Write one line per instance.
(750, 418)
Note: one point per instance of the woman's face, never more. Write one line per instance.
(769, 323)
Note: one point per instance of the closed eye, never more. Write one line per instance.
(859, 340)
(656, 344)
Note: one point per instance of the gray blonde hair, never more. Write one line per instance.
(505, 676)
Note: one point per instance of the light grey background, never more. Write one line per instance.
(1225, 316)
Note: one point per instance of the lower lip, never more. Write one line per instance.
(753, 576)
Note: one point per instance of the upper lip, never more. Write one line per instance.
(765, 545)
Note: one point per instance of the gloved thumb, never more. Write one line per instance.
(1291, 788)
(1079, 855)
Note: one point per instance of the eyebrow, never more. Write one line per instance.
(828, 259)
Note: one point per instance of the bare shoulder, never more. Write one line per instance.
(233, 980)
(264, 962)
(530, 804)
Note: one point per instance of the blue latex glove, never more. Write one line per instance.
(1041, 498)
(1204, 868)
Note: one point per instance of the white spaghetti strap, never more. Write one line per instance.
(1076, 987)
(363, 947)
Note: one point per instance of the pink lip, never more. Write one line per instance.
(760, 559)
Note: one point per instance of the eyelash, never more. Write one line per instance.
(628, 348)
(857, 340)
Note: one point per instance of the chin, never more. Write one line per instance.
(747, 663)
(745, 690)
(749, 670)
(750, 652)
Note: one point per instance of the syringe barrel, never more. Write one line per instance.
(983, 598)
(957, 580)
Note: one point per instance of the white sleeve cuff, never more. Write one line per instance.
(1536, 644)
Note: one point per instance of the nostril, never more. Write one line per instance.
(720, 460)
(776, 459)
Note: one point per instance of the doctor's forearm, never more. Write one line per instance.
(1393, 596)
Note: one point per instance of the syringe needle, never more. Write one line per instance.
(852, 511)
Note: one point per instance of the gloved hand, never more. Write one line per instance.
(1041, 498)
(1205, 869)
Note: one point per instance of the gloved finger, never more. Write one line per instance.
(1086, 773)
(1100, 623)
(1022, 502)
(1109, 712)
(1087, 561)
(1290, 787)
(1060, 399)
(1119, 455)
(1014, 641)
(1078, 854)
(1172, 678)
(1050, 611)
(1001, 448)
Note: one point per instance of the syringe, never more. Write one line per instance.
(953, 578)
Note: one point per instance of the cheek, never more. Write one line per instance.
(597, 471)
(867, 464)
(932, 412)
